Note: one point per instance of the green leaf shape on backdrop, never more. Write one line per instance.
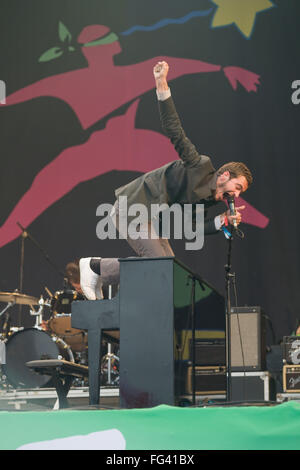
(50, 54)
(64, 33)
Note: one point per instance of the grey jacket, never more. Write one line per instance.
(190, 180)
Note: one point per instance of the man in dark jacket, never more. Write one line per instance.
(190, 180)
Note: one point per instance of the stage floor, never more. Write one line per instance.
(163, 427)
(44, 399)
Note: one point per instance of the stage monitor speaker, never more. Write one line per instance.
(247, 339)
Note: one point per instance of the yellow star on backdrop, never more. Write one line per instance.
(242, 13)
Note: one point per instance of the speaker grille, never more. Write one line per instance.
(247, 339)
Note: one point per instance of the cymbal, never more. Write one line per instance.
(18, 298)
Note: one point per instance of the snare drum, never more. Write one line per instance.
(31, 344)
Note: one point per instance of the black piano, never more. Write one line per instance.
(154, 304)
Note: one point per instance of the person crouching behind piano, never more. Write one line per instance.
(72, 275)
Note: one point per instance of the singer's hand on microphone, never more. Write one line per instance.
(237, 217)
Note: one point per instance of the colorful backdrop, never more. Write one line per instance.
(81, 119)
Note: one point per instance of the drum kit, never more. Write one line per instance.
(47, 339)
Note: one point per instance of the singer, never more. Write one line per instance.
(190, 180)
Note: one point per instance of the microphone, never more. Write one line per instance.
(231, 205)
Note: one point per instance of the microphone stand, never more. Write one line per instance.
(44, 253)
(194, 278)
(202, 283)
(229, 276)
(23, 237)
(193, 342)
(26, 234)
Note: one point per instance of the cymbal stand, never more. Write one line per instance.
(6, 325)
(10, 304)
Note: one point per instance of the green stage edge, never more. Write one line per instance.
(164, 427)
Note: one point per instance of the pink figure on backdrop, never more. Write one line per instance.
(93, 93)
(101, 87)
(84, 162)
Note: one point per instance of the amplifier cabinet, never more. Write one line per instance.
(209, 352)
(247, 339)
(208, 380)
(291, 378)
(291, 349)
(252, 386)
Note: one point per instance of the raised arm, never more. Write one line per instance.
(170, 120)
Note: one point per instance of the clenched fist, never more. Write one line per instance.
(160, 70)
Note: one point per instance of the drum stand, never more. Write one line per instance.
(39, 314)
(109, 355)
(109, 358)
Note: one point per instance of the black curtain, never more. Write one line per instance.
(223, 118)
